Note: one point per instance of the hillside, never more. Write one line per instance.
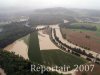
(57, 15)
(70, 11)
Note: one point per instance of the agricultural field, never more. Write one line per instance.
(97, 32)
(59, 58)
(34, 48)
(44, 40)
(51, 56)
(19, 47)
(84, 38)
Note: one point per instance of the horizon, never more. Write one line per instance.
(37, 4)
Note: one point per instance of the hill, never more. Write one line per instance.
(57, 15)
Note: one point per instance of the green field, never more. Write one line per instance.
(97, 32)
(59, 58)
(50, 57)
(34, 49)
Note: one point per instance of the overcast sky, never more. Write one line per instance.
(33, 4)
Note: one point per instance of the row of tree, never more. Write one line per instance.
(76, 51)
(86, 27)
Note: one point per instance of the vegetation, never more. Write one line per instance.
(97, 25)
(45, 19)
(75, 51)
(51, 16)
(26, 39)
(12, 32)
(84, 38)
(34, 48)
(59, 58)
(16, 65)
(79, 26)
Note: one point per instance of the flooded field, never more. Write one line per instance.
(18, 47)
(45, 42)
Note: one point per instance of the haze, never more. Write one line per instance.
(34, 4)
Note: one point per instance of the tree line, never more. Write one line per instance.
(76, 51)
(86, 27)
(12, 32)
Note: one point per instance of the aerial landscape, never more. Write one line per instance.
(49, 37)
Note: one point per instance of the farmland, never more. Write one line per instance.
(59, 58)
(50, 56)
(84, 38)
(97, 32)
(19, 47)
(34, 37)
(34, 49)
(44, 40)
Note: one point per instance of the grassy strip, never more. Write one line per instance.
(34, 49)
